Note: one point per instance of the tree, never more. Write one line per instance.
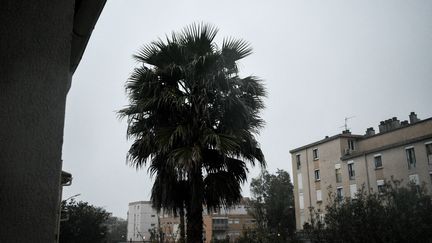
(273, 207)
(117, 230)
(395, 214)
(192, 116)
(85, 223)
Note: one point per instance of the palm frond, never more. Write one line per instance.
(234, 49)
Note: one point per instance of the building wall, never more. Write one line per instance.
(141, 218)
(391, 146)
(395, 165)
(329, 154)
(419, 129)
(35, 47)
(170, 227)
(227, 222)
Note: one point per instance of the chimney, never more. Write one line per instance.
(395, 123)
(404, 123)
(413, 118)
(346, 131)
(370, 132)
(388, 124)
(382, 127)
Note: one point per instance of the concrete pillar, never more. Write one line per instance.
(35, 47)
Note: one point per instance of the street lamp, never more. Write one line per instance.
(76, 195)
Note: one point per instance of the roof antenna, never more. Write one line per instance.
(346, 123)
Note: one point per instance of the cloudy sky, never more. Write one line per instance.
(321, 61)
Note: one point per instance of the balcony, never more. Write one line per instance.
(220, 227)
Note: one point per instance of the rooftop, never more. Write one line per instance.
(385, 127)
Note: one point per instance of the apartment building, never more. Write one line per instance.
(141, 219)
(169, 226)
(346, 162)
(227, 223)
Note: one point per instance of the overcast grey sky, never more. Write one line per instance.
(321, 61)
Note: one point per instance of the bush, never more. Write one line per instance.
(396, 214)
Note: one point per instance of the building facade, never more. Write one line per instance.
(142, 219)
(169, 226)
(227, 223)
(345, 163)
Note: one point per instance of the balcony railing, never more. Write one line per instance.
(217, 227)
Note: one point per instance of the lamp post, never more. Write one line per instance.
(76, 195)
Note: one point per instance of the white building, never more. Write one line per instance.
(141, 219)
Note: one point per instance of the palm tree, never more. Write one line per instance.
(194, 120)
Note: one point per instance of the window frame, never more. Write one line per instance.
(341, 195)
(351, 170)
(375, 161)
(411, 158)
(301, 200)
(319, 195)
(380, 186)
(351, 145)
(317, 176)
(300, 181)
(298, 161)
(340, 175)
(428, 147)
(315, 154)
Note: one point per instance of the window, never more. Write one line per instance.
(300, 181)
(353, 191)
(153, 216)
(319, 195)
(430, 175)
(378, 161)
(298, 161)
(317, 175)
(152, 225)
(351, 171)
(351, 144)
(410, 157)
(315, 154)
(338, 173)
(380, 185)
(339, 193)
(429, 152)
(301, 201)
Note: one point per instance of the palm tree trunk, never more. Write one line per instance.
(182, 226)
(195, 209)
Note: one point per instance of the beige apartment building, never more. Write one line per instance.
(347, 162)
(228, 223)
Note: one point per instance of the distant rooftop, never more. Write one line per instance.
(139, 202)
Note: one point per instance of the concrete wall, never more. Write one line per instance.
(34, 76)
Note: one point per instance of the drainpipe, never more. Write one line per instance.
(367, 173)
(308, 177)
